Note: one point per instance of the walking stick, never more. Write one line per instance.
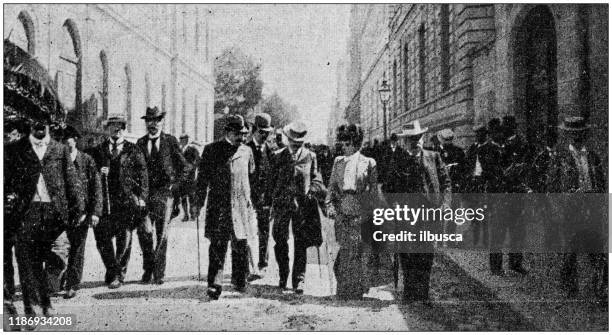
(108, 211)
(198, 236)
(319, 260)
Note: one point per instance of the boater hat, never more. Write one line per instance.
(295, 131)
(115, 118)
(412, 129)
(445, 135)
(574, 123)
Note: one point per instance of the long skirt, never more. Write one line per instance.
(355, 263)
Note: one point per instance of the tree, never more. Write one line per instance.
(238, 84)
(280, 111)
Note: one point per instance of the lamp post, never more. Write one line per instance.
(385, 94)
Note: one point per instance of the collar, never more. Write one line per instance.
(256, 143)
(230, 142)
(573, 149)
(119, 141)
(417, 153)
(42, 142)
(153, 137)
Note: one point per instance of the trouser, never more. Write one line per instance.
(280, 233)
(41, 227)
(117, 225)
(188, 209)
(57, 262)
(9, 270)
(508, 218)
(74, 273)
(216, 260)
(160, 205)
(263, 225)
(417, 271)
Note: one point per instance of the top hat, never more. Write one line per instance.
(115, 118)
(263, 122)
(71, 132)
(295, 131)
(574, 123)
(445, 135)
(184, 136)
(153, 113)
(236, 123)
(413, 129)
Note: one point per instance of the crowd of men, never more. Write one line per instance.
(268, 185)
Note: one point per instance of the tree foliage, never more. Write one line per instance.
(280, 111)
(238, 84)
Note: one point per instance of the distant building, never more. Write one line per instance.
(340, 102)
(122, 58)
(454, 65)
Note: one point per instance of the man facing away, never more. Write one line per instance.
(167, 169)
(192, 157)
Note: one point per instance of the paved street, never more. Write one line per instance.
(460, 302)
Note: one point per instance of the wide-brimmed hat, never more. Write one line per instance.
(115, 118)
(263, 121)
(184, 136)
(412, 129)
(295, 131)
(445, 135)
(153, 113)
(574, 123)
(71, 132)
(236, 123)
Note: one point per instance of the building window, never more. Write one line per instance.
(104, 93)
(422, 63)
(69, 70)
(197, 31)
(195, 118)
(395, 83)
(128, 96)
(444, 48)
(406, 78)
(30, 34)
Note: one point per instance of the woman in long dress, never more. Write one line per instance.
(353, 193)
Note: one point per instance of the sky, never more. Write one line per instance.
(298, 46)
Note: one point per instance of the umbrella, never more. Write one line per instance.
(29, 92)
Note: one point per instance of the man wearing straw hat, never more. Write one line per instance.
(125, 187)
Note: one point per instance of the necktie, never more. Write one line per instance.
(153, 146)
(115, 150)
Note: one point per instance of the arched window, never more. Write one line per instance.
(422, 63)
(128, 96)
(104, 93)
(407, 102)
(29, 32)
(444, 48)
(69, 72)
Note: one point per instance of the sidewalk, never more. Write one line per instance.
(537, 296)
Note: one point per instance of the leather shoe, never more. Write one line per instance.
(114, 284)
(146, 278)
(70, 293)
(213, 293)
(158, 281)
(299, 289)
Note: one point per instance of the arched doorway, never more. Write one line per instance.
(69, 72)
(535, 73)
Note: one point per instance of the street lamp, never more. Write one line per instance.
(385, 94)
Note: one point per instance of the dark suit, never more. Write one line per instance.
(167, 170)
(192, 157)
(290, 203)
(430, 186)
(89, 176)
(127, 182)
(214, 183)
(584, 223)
(37, 224)
(261, 199)
(393, 166)
(489, 156)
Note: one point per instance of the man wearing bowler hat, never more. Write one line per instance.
(192, 157)
(92, 196)
(167, 170)
(295, 171)
(577, 173)
(43, 191)
(223, 179)
(125, 189)
(262, 154)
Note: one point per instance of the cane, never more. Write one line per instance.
(108, 211)
(198, 237)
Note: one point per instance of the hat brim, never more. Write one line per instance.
(159, 117)
(294, 138)
(106, 123)
(270, 129)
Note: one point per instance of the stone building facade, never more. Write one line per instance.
(455, 65)
(109, 59)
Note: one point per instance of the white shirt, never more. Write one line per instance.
(350, 172)
(119, 142)
(582, 162)
(40, 148)
(73, 155)
(153, 139)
